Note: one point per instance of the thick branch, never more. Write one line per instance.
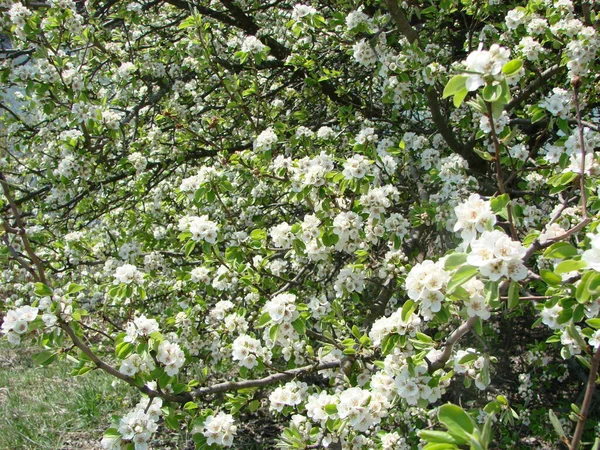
(475, 162)
(449, 344)
(271, 379)
(529, 90)
(41, 276)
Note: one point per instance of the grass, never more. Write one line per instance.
(46, 408)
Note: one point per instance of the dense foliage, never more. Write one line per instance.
(328, 214)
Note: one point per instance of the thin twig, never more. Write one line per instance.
(499, 179)
(587, 401)
(576, 83)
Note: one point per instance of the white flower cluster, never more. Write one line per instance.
(355, 18)
(135, 363)
(311, 171)
(219, 429)
(282, 235)
(473, 216)
(514, 18)
(218, 313)
(282, 308)
(18, 14)
(426, 283)
(319, 306)
(265, 140)
(201, 228)
(499, 123)
(363, 53)
(378, 199)
(347, 226)
(349, 280)
(497, 256)
(125, 70)
(138, 161)
(138, 425)
(476, 305)
(472, 368)
(291, 394)
(16, 322)
(171, 355)
(413, 385)
(191, 184)
(200, 275)
(530, 48)
(356, 167)
(141, 326)
(247, 350)
(362, 408)
(300, 11)
(129, 251)
(316, 403)
(366, 135)
(394, 324)
(592, 255)
(487, 64)
(559, 103)
(128, 273)
(252, 45)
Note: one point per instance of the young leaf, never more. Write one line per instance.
(456, 84)
(512, 67)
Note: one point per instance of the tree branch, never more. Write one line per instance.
(449, 344)
(587, 401)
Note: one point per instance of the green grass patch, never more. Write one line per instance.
(46, 408)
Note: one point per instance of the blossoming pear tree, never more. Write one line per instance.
(322, 212)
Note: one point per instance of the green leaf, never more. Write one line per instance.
(438, 437)
(513, 294)
(331, 409)
(576, 335)
(594, 323)
(550, 277)
(407, 309)
(456, 84)
(44, 358)
(492, 93)
(512, 67)
(172, 423)
(389, 343)
(556, 424)
(189, 247)
(468, 358)
(560, 250)
(461, 276)
(330, 239)
(498, 203)
(457, 421)
(112, 433)
(124, 349)
(74, 288)
(258, 234)
(299, 326)
(588, 287)
(459, 97)
(440, 446)
(454, 260)
(274, 332)
(569, 265)
(42, 290)
(264, 320)
(189, 406)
